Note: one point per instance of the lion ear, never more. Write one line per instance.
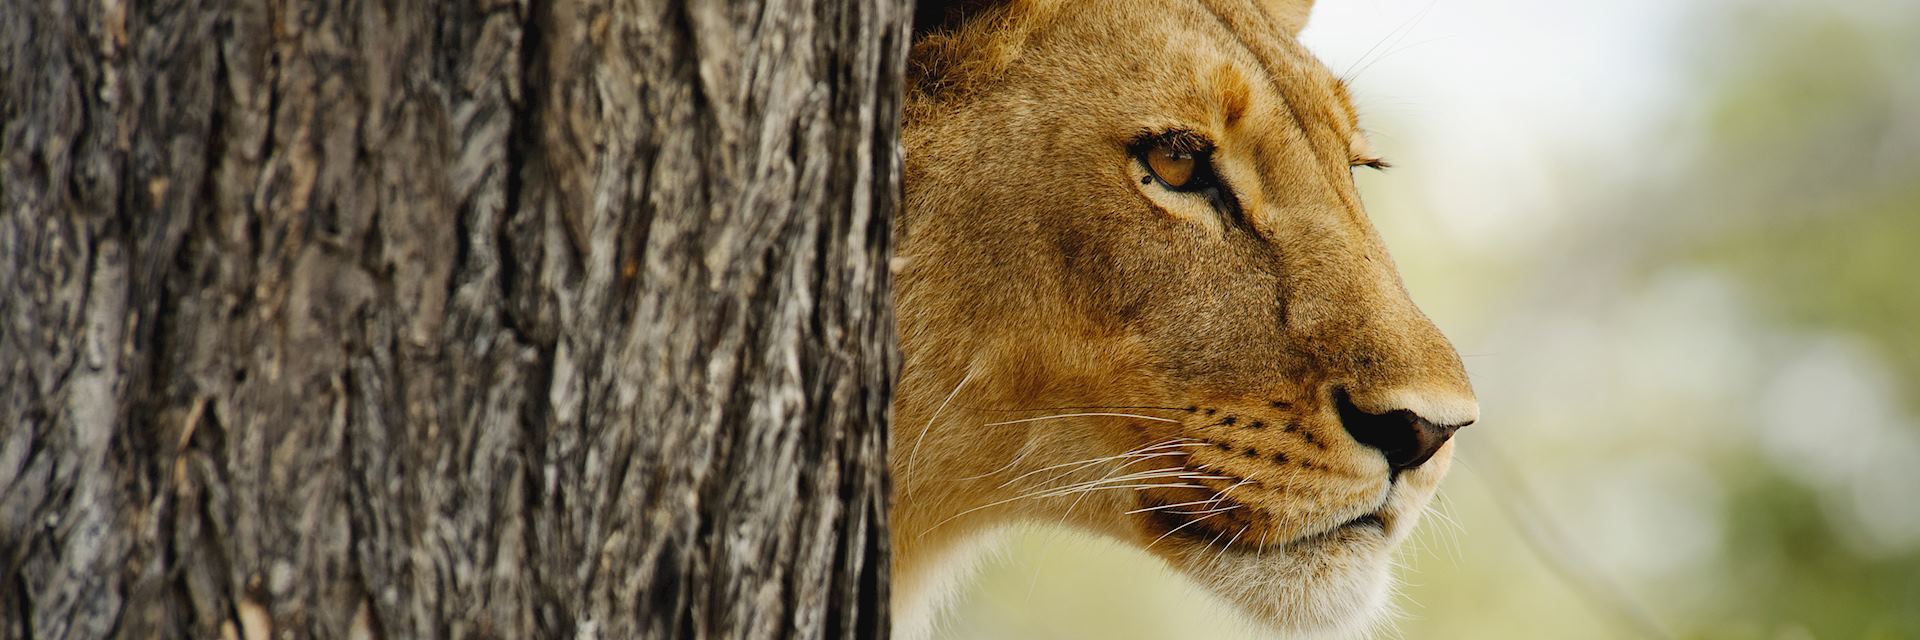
(945, 15)
(1291, 14)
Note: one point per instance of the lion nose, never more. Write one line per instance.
(1406, 438)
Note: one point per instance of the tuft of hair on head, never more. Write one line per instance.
(958, 43)
(931, 16)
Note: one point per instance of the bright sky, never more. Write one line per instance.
(1478, 127)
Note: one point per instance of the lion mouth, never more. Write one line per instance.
(1370, 520)
(1235, 526)
(1370, 523)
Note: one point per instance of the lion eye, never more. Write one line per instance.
(1182, 162)
(1172, 166)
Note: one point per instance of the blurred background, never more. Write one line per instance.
(1672, 240)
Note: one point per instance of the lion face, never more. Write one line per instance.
(1138, 295)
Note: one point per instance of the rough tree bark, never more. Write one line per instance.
(476, 318)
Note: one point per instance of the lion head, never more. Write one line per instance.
(1138, 295)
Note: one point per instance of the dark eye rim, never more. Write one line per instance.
(1206, 181)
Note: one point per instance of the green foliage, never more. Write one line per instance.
(1811, 167)
(1851, 269)
(1789, 573)
(1810, 178)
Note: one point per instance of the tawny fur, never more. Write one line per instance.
(1059, 311)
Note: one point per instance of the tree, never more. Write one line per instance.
(470, 319)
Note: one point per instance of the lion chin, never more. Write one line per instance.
(1335, 584)
(1331, 582)
(1326, 594)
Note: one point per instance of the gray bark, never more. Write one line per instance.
(476, 318)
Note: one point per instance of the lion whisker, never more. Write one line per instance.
(1135, 460)
(1169, 532)
(1184, 485)
(1131, 460)
(1025, 450)
(1222, 495)
(1083, 415)
(1082, 464)
(1170, 506)
(914, 455)
(1209, 545)
(1206, 511)
(1229, 544)
(1062, 493)
(1164, 472)
(1080, 408)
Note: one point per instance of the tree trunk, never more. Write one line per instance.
(478, 318)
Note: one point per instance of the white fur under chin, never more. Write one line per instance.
(1347, 595)
(919, 601)
(1346, 598)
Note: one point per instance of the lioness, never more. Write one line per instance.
(1138, 295)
